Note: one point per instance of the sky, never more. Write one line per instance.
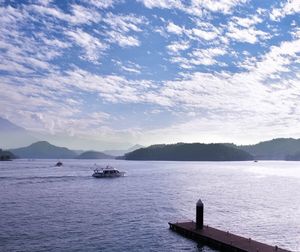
(116, 72)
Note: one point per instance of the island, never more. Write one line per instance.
(189, 152)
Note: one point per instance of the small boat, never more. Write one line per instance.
(58, 164)
(107, 172)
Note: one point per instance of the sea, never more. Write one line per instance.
(48, 208)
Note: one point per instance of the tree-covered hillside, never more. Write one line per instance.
(189, 152)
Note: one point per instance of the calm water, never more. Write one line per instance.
(46, 208)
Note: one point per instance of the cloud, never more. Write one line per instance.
(247, 35)
(176, 46)
(203, 31)
(206, 35)
(102, 4)
(196, 6)
(91, 45)
(175, 29)
(129, 66)
(163, 4)
(289, 8)
(122, 40)
(203, 56)
(125, 23)
(247, 22)
(80, 14)
(122, 28)
(206, 56)
(223, 6)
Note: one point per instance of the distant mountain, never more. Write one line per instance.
(122, 152)
(6, 125)
(79, 152)
(12, 135)
(293, 157)
(276, 149)
(43, 149)
(6, 155)
(94, 155)
(189, 152)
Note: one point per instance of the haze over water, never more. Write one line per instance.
(47, 208)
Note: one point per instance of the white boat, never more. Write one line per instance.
(107, 172)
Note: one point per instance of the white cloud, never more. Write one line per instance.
(129, 66)
(173, 28)
(122, 40)
(206, 56)
(177, 46)
(196, 6)
(54, 42)
(102, 4)
(81, 15)
(164, 4)
(224, 6)
(206, 35)
(125, 23)
(122, 27)
(92, 46)
(131, 69)
(247, 22)
(289, 8)
(202, 31)
(248, 35)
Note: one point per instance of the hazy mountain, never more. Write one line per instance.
(276, 149)
(94, 155)
(122, 152)
(43, 149)
(79, 152)
(189, 152)
(12, 135)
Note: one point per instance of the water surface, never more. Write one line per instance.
(47, 208)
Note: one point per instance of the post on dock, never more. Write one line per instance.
(199, 214)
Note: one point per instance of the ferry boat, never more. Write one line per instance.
(107, 172)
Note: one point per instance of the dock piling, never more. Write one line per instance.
(199, 214)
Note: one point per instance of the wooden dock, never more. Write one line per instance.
(223, 241)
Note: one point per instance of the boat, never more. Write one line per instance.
(58, 164)
(107, 172)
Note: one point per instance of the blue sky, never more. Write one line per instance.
(116, 72)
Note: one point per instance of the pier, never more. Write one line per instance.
(218, 239)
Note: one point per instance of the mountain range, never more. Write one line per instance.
(12, 135)
(45, 150)
(276, 149)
